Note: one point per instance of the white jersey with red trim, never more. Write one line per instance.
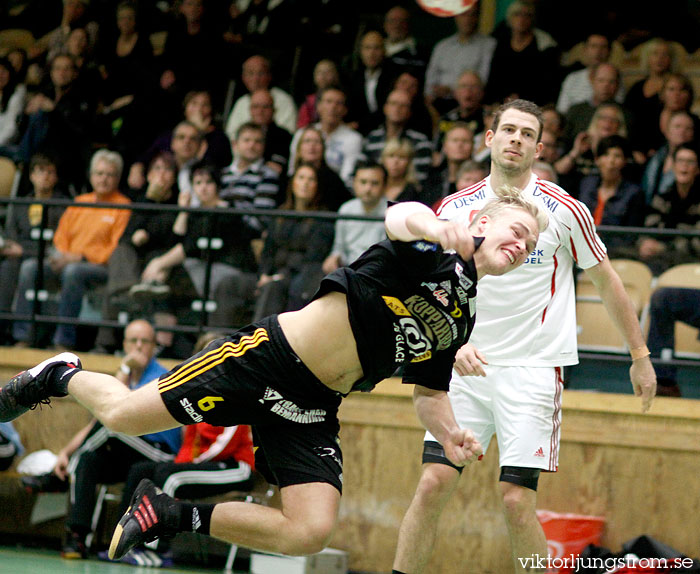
(528, 316)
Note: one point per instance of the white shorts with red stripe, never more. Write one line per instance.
(521, 405)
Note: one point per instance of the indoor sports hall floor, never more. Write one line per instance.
(16, 560)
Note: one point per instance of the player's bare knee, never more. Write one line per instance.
(518, 503)
(436, 483)
(307, 539)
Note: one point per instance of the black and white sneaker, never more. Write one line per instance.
(151, 514)
(33, 387)
(149, 290)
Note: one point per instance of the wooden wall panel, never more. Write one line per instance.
(638, 471)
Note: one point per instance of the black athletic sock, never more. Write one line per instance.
(397, 572)
(195, 517)
(60, 376)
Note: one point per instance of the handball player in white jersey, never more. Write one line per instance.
(507, 380)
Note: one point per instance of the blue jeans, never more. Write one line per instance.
(74, 280)
(668, 305)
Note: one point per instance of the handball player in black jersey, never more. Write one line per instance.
(406, 302)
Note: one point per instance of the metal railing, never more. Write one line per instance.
(204, 307)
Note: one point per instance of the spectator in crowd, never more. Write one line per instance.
(147, 235)
(369, 83)
(467, 49)
(232, 275)
(400, 46)
(611, 198)
(248, 181)
(12, 99)
(256, 75)
(658, 172)
(294, 249)
(469, 94)
(353, 237)
(212, 143)
(343, 144)
(267, 28)
(185, 145)
(310, 148)
(59, 118)
(22, 231)
(470, 173)
(423, 117)
(456, 149)
(668, 305)
(577, 86)
(397, 114)
(482, 152)
(608, 119)
(96, 455)
(10, 445)
(605, 81)
(520, 49)
(75, 15)
(677, 207)
(676, 95)
(325, 75)
(18, 58)
(545, 171)
(553, 121)
(82, 245)
(644, 96)
(88, 76)
(551, 148)
(127, 66)
(401, 182)
(277, 139)
(190, 59)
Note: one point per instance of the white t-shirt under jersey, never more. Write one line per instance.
(528, 317)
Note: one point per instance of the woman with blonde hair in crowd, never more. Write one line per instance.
(397, 159)
(658, 60)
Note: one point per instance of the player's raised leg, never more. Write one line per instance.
(302, 526)
(131, 412)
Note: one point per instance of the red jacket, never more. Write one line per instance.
(204, 443)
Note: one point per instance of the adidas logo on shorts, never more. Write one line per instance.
(539, 453)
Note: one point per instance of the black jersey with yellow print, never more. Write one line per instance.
(411, 305)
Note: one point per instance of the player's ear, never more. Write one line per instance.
(483, 224)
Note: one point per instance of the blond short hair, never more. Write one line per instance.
(510, 197)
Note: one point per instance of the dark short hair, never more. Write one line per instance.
(165, 156)
(612, 142)
(206, 166)
(41, 160)
(370, 164)
(691, 145)
(524, 106)
(248, 126)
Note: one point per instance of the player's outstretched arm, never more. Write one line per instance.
(411, 221)
(435, 414)
(621, 310)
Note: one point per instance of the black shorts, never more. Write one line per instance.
(253, 377)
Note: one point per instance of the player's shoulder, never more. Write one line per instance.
(463, 199)
(560, 204)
